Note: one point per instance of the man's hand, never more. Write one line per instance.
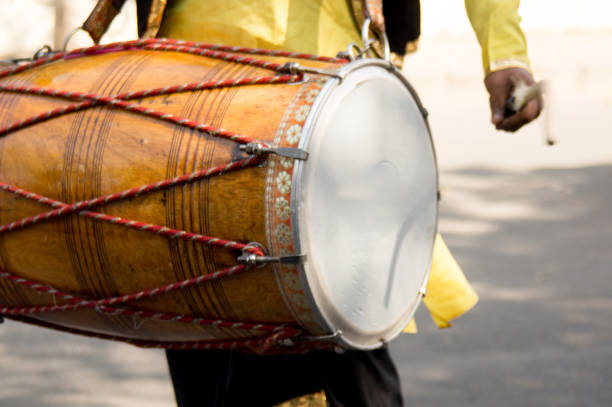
(499, 84)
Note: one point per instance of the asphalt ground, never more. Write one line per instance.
(541, 333)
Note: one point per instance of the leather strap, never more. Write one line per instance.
(155, 13)
(105, 12)
(101, 18)
(372, 9)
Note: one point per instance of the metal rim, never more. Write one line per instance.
(296, 187)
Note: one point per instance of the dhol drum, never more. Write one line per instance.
(129, 213)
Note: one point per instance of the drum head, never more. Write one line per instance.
(365, 205)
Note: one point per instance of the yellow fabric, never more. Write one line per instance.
(449, 294)
(325, 27)
(310, 400)
(321, 27)
(497, 27)
(411, 328)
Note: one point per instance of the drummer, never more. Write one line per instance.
(352, 378)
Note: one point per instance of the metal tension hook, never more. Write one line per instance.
(352, 53)
(43, 52)
(368, 42)
(295, 68)
(328, 337)
(251, 259)
(256, 148)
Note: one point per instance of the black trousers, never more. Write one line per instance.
(228, 378)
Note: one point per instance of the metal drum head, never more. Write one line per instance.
(365, 205)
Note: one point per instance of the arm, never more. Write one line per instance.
(504, 57)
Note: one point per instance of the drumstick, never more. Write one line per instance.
(521, 95)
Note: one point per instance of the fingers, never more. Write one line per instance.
(499, 89)
(497, 109)
(530, 112)
(499, 84)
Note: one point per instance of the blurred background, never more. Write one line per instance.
(530, 224)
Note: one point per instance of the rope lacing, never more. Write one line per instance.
(273, 333)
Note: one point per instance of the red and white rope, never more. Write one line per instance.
(259, 344)
(253, 51)
(81, 207)
(226, 53)
(82, 101)
(93, 100)
(107, 306)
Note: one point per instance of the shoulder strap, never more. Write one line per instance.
(372, 9)
(150, 13)
(400, 19)
(149, 22)
(101, 18)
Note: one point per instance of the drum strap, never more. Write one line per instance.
(400, 19)
(150, 14)
(101, 18)
(372, 9)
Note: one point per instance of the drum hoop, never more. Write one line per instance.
(296, 186)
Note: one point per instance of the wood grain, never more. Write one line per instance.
(104, 150)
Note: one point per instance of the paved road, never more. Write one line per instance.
(541, 334)
(530, 225)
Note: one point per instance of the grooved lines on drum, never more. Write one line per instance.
(186, 154)
(103, 150)
(7, 116)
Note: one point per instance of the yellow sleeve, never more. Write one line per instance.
(497, 26)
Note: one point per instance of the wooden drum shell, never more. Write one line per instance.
(104, 150)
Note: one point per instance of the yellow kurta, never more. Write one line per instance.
(325, 27)
(497, 26)
(321, 27)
